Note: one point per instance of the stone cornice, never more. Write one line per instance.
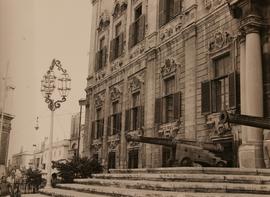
(252, 24)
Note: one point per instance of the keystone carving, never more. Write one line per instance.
(168, 68)
(136, 82)
(119, 8)
(104, 21)
(115, 93)
(99, 100)
(220, 40)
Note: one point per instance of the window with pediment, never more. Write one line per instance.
(222, 91)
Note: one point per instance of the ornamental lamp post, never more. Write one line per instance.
(48, 85)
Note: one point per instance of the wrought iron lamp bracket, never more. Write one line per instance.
(54, 105)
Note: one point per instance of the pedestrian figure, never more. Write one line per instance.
(14, 183)
(4, 186)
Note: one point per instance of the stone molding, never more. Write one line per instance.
(217, 129)
(97, 144)
(119, 7)
(113, 141)
(169, 68)
(115, 93)
(100, 75)
(104, 21)
(212, 4)
(137, 50)
(99, 100)
(251, 24)
(136, 82)
(171, 28)
(220, 39)
(169, 130)
(132, 144)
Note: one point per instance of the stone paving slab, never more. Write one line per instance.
(197, 170)
(111, 191)
(67, 193)
(186, 177)
(182, 186)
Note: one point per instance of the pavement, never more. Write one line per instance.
(33, 195)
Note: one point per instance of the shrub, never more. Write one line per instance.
(76, 168)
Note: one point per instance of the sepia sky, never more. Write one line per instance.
(32, 33)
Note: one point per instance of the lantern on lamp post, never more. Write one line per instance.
(48, 86)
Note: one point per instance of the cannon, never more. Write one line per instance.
(186, 152)
(246, 120)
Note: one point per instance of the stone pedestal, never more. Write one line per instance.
(251, 151)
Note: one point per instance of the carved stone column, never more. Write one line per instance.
(251, 151)
(243, 82)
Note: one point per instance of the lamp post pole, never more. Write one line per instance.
(47, 89)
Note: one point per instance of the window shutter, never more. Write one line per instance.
(121, 44)
(97, 61)
(234, 90)
(112, 51)
(141, 28)
(142, 116)
(216, 96)
(131, 35)
(109, 126)
(102, 127)
(120, 122)
(177, 105)
(93, 132)
(104, 56)
(127, 120)
(158, 110)
(177, 7)
(205, 97)
(162, 14)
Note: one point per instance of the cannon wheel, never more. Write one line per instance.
(186, 162)
(221, 164)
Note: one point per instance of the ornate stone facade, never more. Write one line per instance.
(194, 59)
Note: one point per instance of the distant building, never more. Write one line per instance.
(5, 110)
(22, 160)
(74, 135)
(60, 151)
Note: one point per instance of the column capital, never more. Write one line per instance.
(251, 24)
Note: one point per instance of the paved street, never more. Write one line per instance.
(33, 195)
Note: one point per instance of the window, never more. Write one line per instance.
(114, 120)
(222, 92)
(133, 158)
(167, 108)
(117, 44)
(168, 9)
(135, 115)
(137, 28)
(98, 124)
(111, 160)
(101, 55)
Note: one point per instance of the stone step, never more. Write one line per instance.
(67, 193)
(182, 186)
(245, 179)
(195, 170)
(128, 192)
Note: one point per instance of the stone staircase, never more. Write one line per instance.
(180, 182)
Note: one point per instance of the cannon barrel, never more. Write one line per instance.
(173, 142)
(246, 120)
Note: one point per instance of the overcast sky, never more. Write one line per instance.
(32, 33)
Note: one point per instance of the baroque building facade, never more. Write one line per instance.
(167, 68)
